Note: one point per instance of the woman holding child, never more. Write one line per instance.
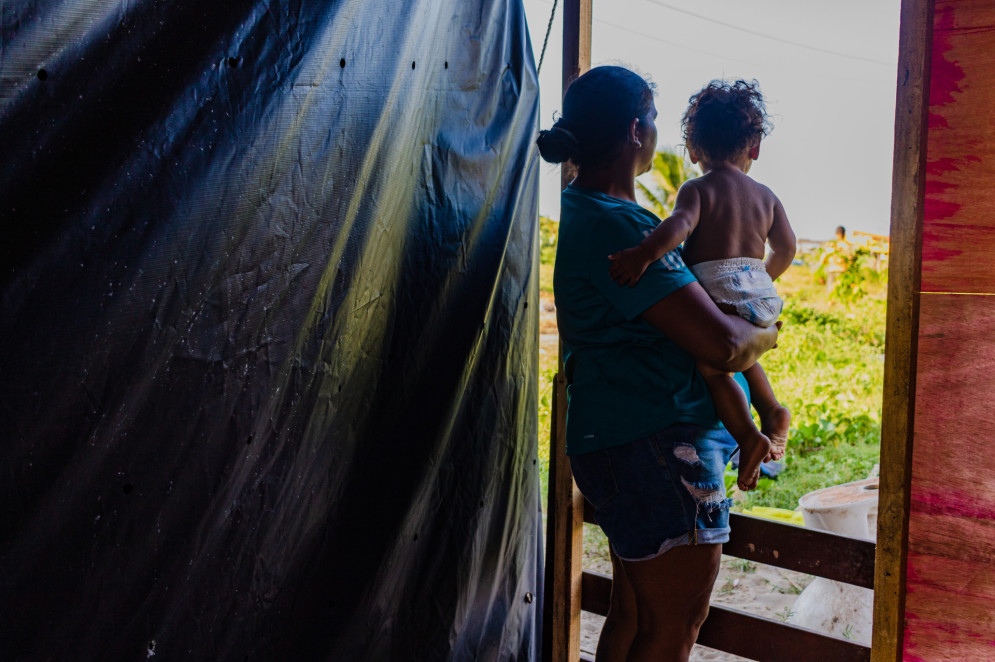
(645, 443)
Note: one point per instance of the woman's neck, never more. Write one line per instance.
(614, 179)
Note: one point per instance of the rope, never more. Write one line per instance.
(549, 28)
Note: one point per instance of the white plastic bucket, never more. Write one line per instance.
(836, 608)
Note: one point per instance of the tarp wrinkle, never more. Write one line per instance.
(268, 331)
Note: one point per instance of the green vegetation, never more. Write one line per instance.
(828, 370)
(547, 373)
(547, 253)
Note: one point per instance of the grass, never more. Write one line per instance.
(548, 229)
(828, 370)
(547, 372)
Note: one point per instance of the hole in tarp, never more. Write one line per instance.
(342, 63)
(232, 62)
(248, 440)
(447, 65)
(416, 536)
(412, 65)
(127, 488)
(42, 74)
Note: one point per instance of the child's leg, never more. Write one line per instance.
(734, 412)
(774, 417)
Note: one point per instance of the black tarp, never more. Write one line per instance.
(268, 335)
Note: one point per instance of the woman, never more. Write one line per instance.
(645, 445)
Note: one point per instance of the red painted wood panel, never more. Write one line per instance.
(950, 583)
(950, 587)
(959, 225)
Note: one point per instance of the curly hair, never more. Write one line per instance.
(724, 118)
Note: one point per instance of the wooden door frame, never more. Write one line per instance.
(565, 505)
(901, 335)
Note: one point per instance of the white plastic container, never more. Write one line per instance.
(850, 509)
(836, 608)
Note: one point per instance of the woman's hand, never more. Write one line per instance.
(691, 319)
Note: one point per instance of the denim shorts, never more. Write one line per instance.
(659, 492)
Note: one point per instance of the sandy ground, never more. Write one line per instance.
(754, 588)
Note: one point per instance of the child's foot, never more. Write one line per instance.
(752, 452)
(774, 424)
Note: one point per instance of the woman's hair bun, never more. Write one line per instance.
(558, 145)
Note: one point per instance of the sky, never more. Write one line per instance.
(828, 72)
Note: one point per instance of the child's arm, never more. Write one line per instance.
(628, 265)
(782, 243)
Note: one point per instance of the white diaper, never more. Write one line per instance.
(743, 283)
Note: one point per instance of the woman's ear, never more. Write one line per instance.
(634, 132)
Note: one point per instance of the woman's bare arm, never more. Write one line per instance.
(692, 320)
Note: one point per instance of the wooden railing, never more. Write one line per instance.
(785, 546)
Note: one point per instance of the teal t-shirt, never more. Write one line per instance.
(625, 379)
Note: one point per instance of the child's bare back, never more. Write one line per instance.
(721, 215)
(735, 218)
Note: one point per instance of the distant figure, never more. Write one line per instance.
(836, 258)
(725, 219)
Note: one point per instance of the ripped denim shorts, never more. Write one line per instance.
(659, 492)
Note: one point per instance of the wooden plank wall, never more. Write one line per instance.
(950, 572)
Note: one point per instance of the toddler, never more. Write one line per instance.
(725, 219)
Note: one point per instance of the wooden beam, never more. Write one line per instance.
(746, 635)
(565, 547)
(565, 519)
(577, 15)
(597, 590)
(759, 638)
(901, 339)
(797, 548)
